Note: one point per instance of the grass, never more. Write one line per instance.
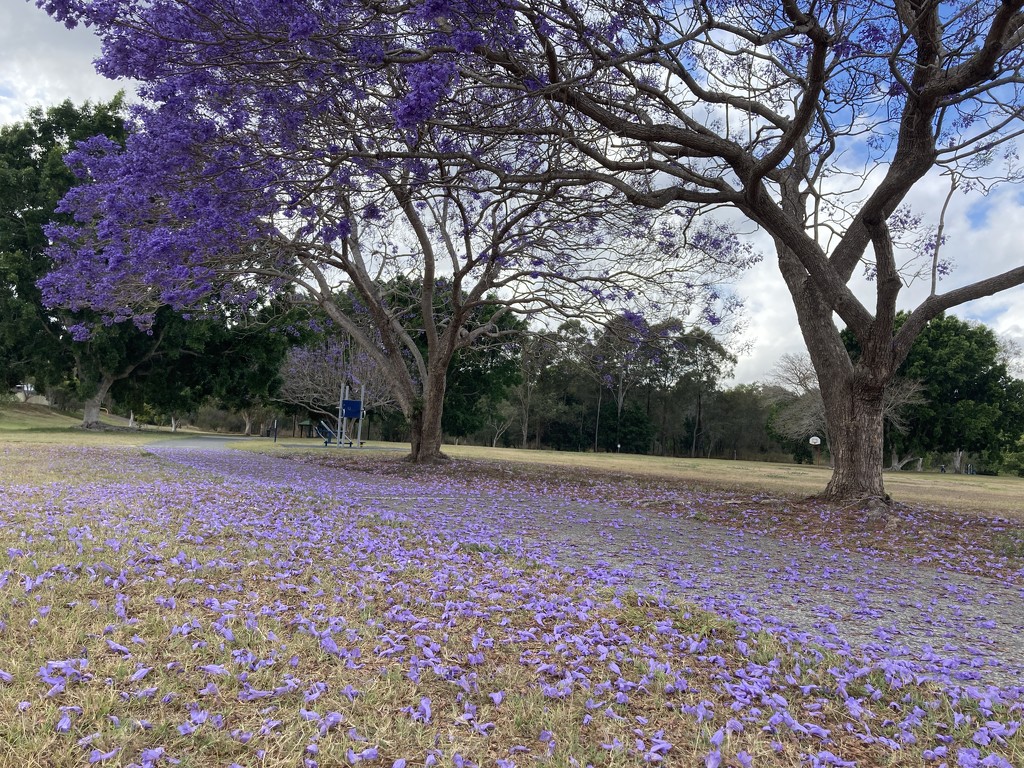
(987, 495)
(153, 610)
(37, 424)
(16, 417)
(984, 495)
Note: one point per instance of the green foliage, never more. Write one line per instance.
(1013, 461)
(971, 402)
(34, 344)
(482, 375)
(204, 358)
(630, 431)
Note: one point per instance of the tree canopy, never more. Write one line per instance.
(308, 124)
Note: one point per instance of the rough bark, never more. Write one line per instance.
(426, 421)
(92, 405)
(852, 395)
(855, 423)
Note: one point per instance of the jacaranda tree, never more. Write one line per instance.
(812, 120)
(288, 144)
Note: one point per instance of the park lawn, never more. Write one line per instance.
(21, 423)
(22, 416)
(155, 612)
(986, 495)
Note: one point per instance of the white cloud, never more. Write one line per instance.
(984, 237)
(43, 63)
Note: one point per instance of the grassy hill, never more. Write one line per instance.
(22, 416)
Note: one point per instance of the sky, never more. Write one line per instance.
(42, 63)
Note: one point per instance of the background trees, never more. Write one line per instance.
(36, 344)
(171, 366)
(970, 402)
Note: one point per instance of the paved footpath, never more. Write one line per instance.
(967, 628)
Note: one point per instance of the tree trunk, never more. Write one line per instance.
(527, 396)
(852, 393)
(426, 422)
(248, 422)
(696, 428)
(958, 461)
(896, 463)
(91, 417)
(854, 416)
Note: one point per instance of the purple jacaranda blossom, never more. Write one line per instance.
(826, 758)
(268, 726)
(328, 644)
(370, 753)
(349, 692)
(713, 760)
(96, 756)
(215, 669)
(422, 712)
(118, 648)
(64, 724)
(315, 691)
(6, 677)
(331, 720)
